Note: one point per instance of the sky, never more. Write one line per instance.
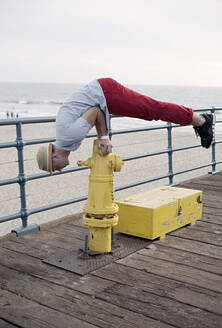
(155, 42)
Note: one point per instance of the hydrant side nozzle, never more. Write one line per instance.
(118, 163)
(88, 162)
(115, 163)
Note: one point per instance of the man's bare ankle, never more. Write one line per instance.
(198, 120)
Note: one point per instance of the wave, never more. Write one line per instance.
(33, 102)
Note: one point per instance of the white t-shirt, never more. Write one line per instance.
(71, 128)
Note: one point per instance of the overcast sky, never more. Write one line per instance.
(175, 42)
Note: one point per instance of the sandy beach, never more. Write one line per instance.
(67, 186)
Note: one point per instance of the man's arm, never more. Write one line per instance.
(100, 124)
(94, 116)
(105, 145)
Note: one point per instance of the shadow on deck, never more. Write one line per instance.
(176, 282)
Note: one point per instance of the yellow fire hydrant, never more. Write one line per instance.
(100, 211)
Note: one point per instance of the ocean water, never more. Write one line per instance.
(44, 99)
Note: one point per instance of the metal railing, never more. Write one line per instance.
(22, 178)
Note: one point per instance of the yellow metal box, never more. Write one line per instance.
(154, 213)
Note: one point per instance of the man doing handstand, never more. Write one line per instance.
(91, 106)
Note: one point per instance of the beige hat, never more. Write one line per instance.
(44, 158)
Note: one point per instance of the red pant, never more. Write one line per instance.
(122, 101)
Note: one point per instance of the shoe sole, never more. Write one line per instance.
(213, 132)
(213, 128)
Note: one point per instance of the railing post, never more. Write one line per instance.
(170, 153)
(24, 229)
(110, 128)
(21, 174)
(213, 150)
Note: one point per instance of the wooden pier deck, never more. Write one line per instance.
(176, 282)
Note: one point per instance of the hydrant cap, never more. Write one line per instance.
(44, 158)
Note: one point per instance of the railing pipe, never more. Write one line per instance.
(10, 217)
(194, 168)
(9, 181)
(139, 183)
(28, 120)
(22, 178)
(56, 205)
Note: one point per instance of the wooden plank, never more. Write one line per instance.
(202, 180)
(212, 201)
(9, 236)
(70, 230)
(212, 177)
(162, 252)
(201, 184)
(176, 271)
(209, 197)
(68, 301)
(55, 239)
(208, 209)
(34, 267)
(193, 247)
(212, 211)
(213, 190)
(162, 286)
(26, 313)
(209, 177)
(32, 247)
(208, 227)
(5, 324)
(78, 222)
(166, 310)
(209, 181)
(212, 205)
(194, 234)
(212, 218)
(68, 218)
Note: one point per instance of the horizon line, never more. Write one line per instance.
(134, 84)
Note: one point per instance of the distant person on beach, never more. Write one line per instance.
(91, 106)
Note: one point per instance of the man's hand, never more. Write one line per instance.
(105, 146)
